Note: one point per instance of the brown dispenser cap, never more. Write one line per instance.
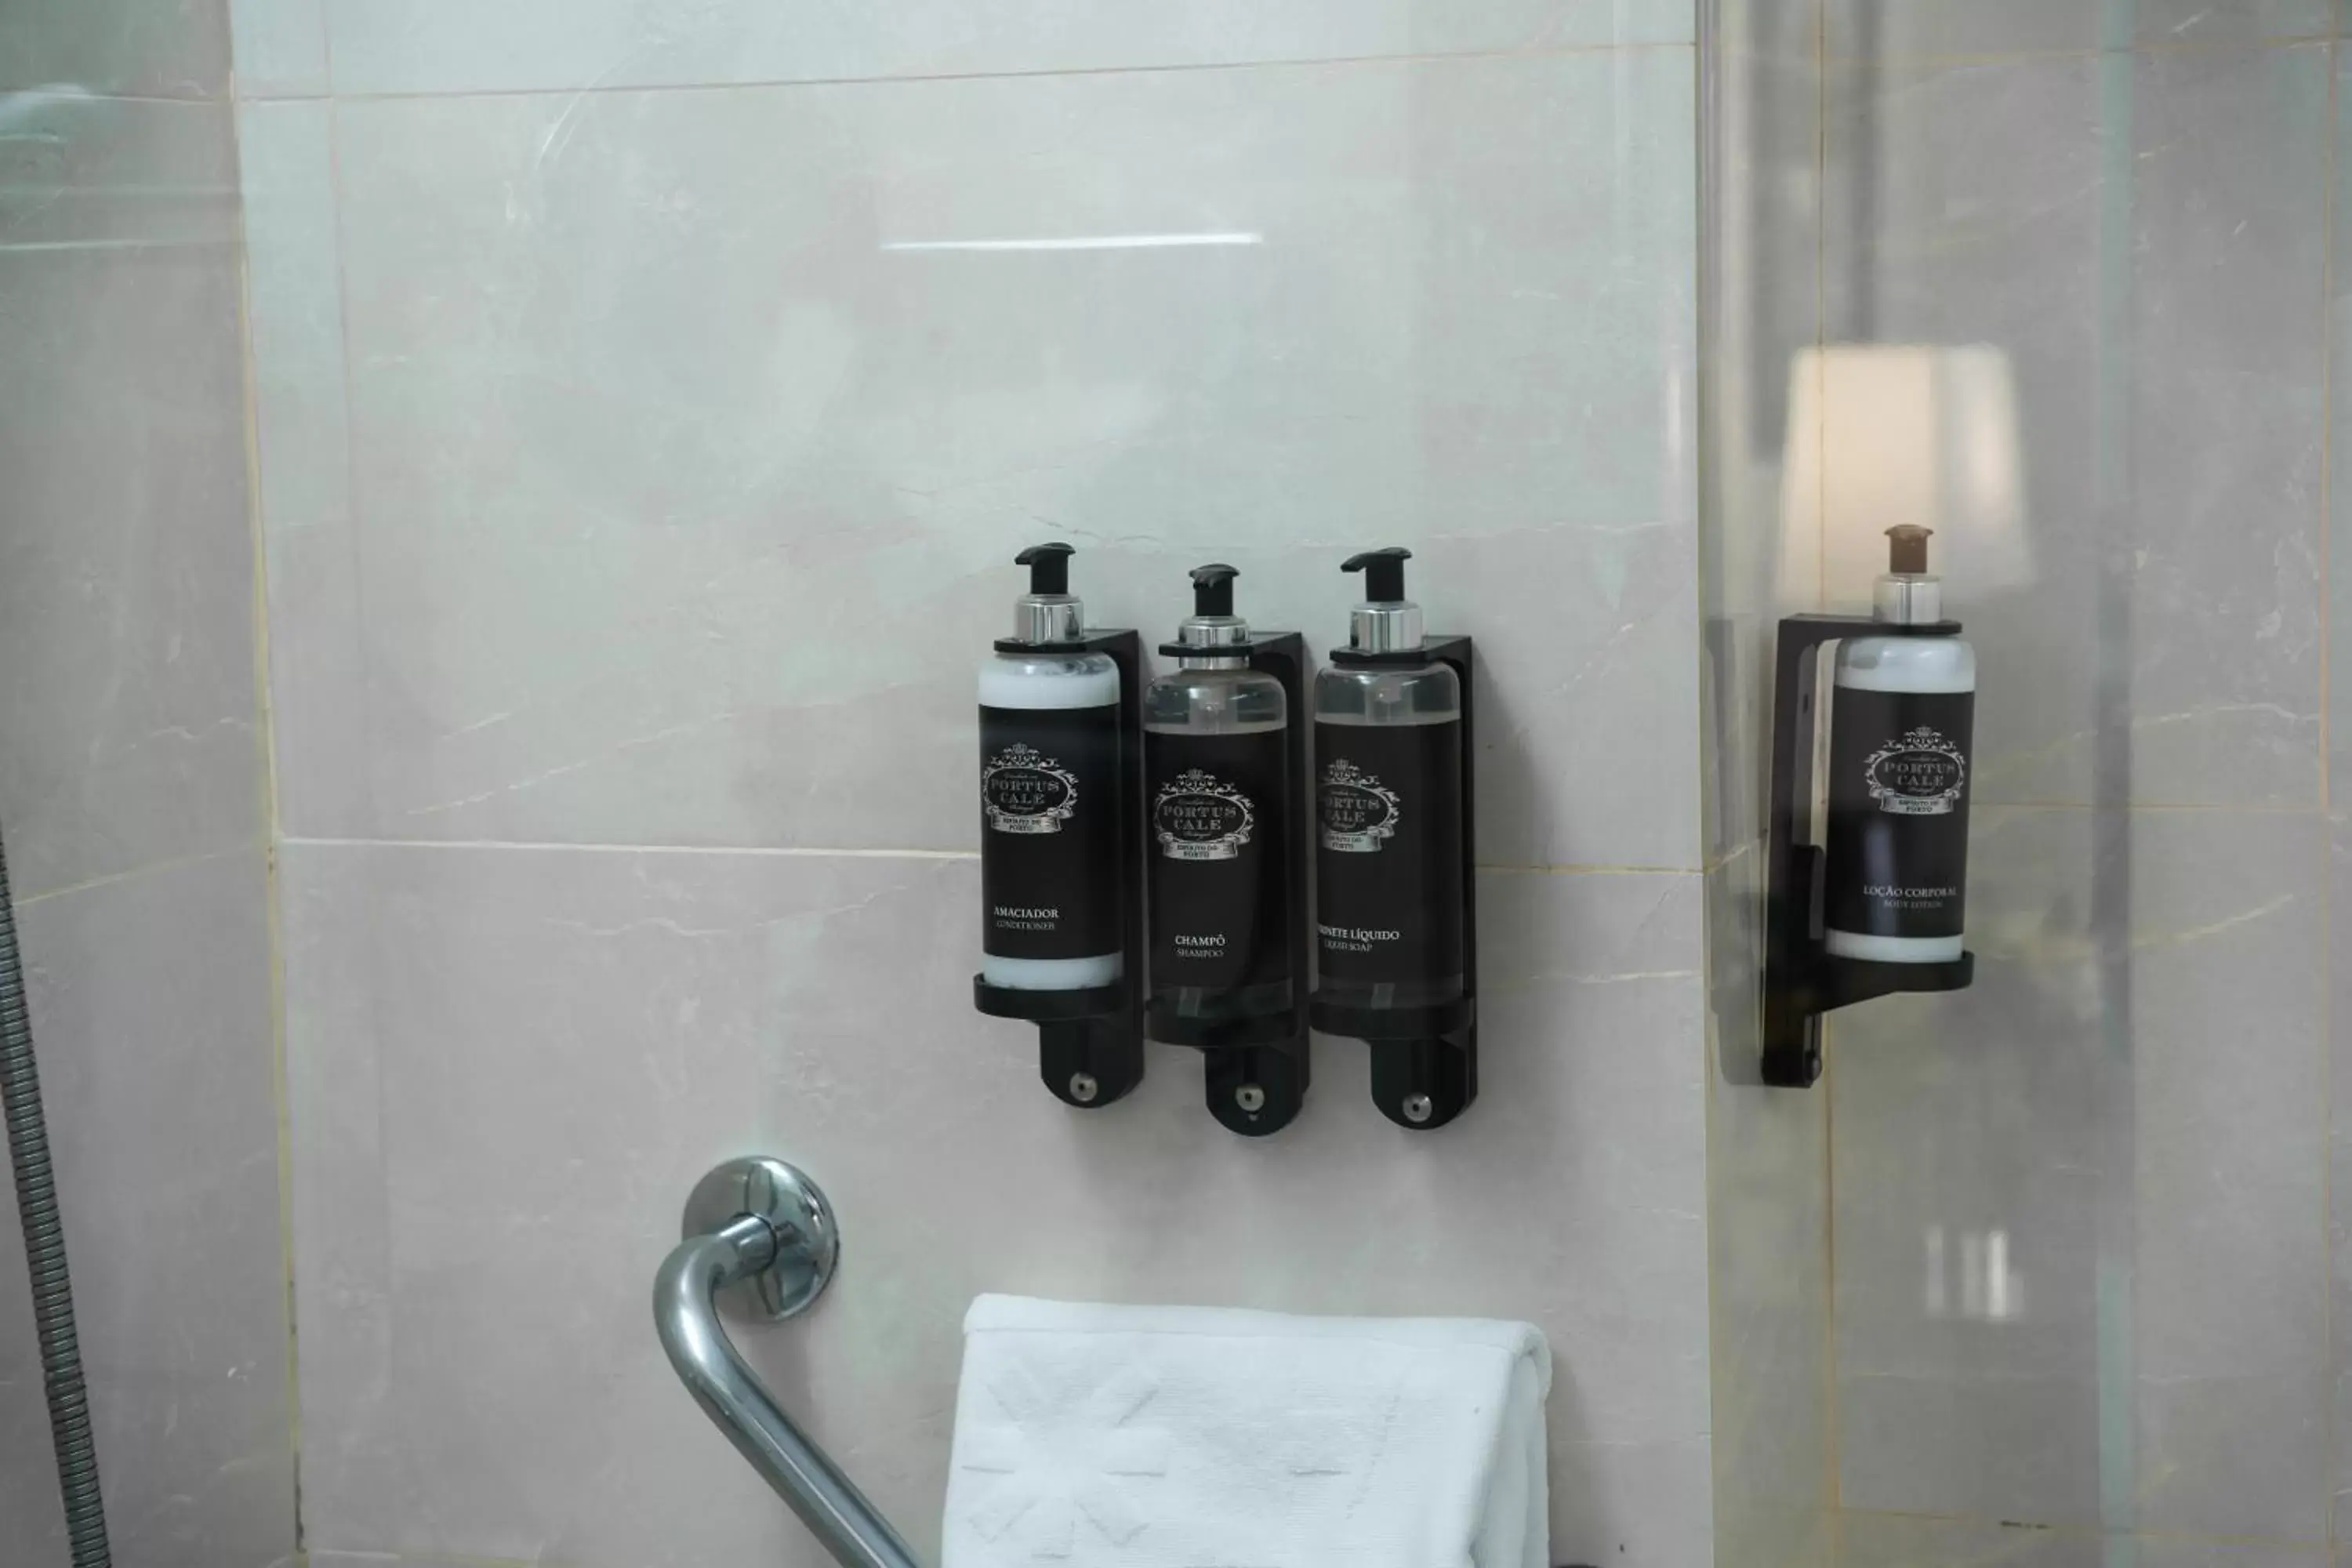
(1908, 555)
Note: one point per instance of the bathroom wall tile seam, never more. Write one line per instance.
(1541, 51)
(2086, 1532)
(869, 852)
(2324, 544)
(263, 841)
(821, 852)
(1992, 802)
(274, 837)
(1833, 58)
(1305, 62)
(273, 903)
(2034, 56)
(160, 100)
(2331, 1437)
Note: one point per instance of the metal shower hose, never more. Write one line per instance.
(45, 1255)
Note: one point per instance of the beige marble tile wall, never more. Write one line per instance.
(643, 448)
(132, 786)
(2081, 1304)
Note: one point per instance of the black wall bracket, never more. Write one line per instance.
(1257, 1070)
(1091, 1043)
(1425, 1060)
(1801, 980)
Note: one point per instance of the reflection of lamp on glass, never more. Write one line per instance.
(1883, 434)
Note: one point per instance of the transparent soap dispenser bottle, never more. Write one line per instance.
(1388, 808)
(1217, 776)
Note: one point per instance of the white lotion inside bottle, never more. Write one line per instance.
(1899, 825)
(1082, 688)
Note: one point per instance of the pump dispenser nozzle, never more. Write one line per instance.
(1907, 554)
(1212, 590)
(1386, 622)
(1383, 573)
(1213, 624)
(1908, 595)
(1046, 613)
(1049, 567)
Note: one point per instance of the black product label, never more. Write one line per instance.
(1219, 860)
(1388, 865)
(1049, 838)
(1898, 833)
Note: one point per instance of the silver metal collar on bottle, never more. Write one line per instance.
(1384, 626)
(1210, 633)
(1904, 599)
(1048, 618)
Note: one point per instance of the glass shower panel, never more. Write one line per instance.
(2076, 285)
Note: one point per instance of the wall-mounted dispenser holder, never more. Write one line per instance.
(1044, 760)
(1424, 1059)
(1256, 1070)
(1802, 979)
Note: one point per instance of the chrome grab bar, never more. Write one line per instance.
(761, 1239)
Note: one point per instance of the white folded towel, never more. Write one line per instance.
(1194, 1437)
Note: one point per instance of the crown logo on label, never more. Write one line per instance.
(1024, 791)
(1922, 773)
(1358, 814)
(1198, 816)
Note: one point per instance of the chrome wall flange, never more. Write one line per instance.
(808, 1241)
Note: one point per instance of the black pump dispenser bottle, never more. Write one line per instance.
(1877, 908)
(1901, 730)
(1060, 803)
(1050, 798)
(1396, 925)
(1388, 809)
(1217, 776)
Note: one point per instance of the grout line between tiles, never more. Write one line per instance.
(2035, 56)
(2153, 807)
(152, 869)
(1288, 63)
(2328, 221)
(535, 847)
(2332, 1438)
(2086, 1532)
(821, 852)
(1707, 866)
(265, 762)
(70, 94)
(1559, 51)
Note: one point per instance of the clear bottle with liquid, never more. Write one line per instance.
(1388, 809)
(1217, 773)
